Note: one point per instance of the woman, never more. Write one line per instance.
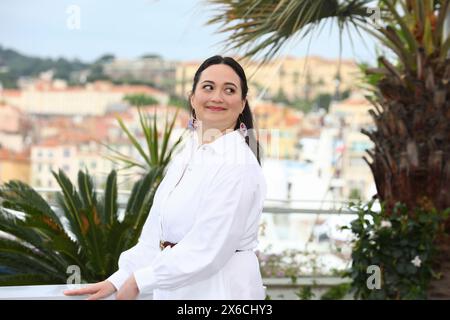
(198, 240)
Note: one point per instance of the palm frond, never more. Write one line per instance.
(23, 279)
(70, 203)
(134, 141)
(110, 199)
(265, 26)
(21, 197)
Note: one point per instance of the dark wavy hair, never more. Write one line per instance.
(246, 115)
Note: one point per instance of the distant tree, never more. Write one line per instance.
(177, 101)
(140, 99)
(302, 105)
(96, 73)
(281, 97)
(105, 58)
(151, 56)
(323, 101)
(8, 81)
(19, 65)
(346, 94)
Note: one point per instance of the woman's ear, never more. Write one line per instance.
(243, 105)
(191, 97)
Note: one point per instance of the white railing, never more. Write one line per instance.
(307, 206)
(274, 285)
(46, 292)
(276, 288)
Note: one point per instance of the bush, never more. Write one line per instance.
(401, 244)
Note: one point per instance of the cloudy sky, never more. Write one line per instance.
(174, 29)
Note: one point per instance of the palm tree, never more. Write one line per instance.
(83, 229)
(410, 162)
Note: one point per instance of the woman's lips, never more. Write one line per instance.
(216, 108)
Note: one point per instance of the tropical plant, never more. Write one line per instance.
(83, 229)
(157, 151)
(410, 89)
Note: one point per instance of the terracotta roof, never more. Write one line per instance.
(310, 133)
(11, 92)
(69, 137)
(49, 142)
(6, 154)
(292, 120)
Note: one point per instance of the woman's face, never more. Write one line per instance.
(217, 99)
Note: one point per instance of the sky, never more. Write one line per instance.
(174, 29)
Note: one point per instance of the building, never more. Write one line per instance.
(278, 129)
(70, 145)
(150, 69)
(346, 119)
(44, 97)
(14, 166)
(15, 128)
(296, 78)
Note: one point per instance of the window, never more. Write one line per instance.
(66, 153)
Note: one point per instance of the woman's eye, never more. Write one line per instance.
(229, 90)
(207, 87)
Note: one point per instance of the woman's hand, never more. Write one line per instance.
(96, 291)
(129, 290)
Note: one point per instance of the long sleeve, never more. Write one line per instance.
(141, 254)
(219, 226)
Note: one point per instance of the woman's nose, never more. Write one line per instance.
(217, 96)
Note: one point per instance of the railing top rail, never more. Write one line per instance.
(46, 292)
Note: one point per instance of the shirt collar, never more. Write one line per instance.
(222, 144)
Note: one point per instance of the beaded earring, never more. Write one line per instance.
(192, 124)
(243, 128)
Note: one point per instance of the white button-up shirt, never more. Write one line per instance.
(209, 203)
